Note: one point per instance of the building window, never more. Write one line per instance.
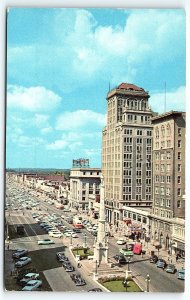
(162, 191)
(129, 131)
(157, 132)
(168, 144)
(179, 131)
(162, 156)
(139, 132)
(84, 173)
(179, 168)
(149, 133)
(162, 179)
(168, 191)
(139, 140)
(179, 179)
(168, 179)
(157, 156)
(179, 155)
(168, 128)
(168, 155)
(163, 144)
(179, 144)
(162, 168)
(168, 167)
(168, 202)
(179, 192)
(157, 145)
(156, 190)
(156, 178)
(178, 203)
(163, 131)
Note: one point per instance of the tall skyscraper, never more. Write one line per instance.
(127, 150)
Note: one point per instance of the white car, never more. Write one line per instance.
(23, 261)
(121, 242)
(56, 234)
(32, 285)
(28, 277)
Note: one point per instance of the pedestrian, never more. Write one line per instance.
(8, 247)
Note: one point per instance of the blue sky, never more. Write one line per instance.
(60, 63)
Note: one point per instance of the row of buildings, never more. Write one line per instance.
(143, 166)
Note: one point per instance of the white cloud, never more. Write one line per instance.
(175, 100)
(57, 145)
(46, 130)
(83, 49)
(80, 119)
(32, 98)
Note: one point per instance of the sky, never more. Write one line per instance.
(60, 64)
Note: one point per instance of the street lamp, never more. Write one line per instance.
(85, 245)
(125, 282)
(128, 262)
(71, 240)
(96, 267)
(147, 282)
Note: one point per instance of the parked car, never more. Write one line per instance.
(170, 268)
(28, 277)
(23, 261)
(56, 234)
(120, 259)
(153, 259)
(121, 242)
(95, 290)
(69, 268)
(45, 242)
(77, 230)
(78, 280)
(181, 274)
(161, 263)
(126, 252)
(32, 285)
(19, 253)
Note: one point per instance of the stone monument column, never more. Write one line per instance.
(101, 244)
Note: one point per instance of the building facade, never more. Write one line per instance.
(84, 182)
(168, 178)
(127, 151)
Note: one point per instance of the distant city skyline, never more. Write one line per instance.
(61, 64)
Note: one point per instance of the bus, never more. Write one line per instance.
(77, 222)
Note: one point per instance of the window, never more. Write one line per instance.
(168, 155)
(179, 131)
(157, 145)
(168, 179)
(84, 173)
(163, 131)
(149, 141)
(162, 202)
(179, 168)
(156, 167)
(168, 168)
(157, 156)
(179, 144)
(178, 203)
(142, 119)
(179, 155)
(156, 190)
(179, 179)
(162, 156)
(162, 191)
(162, 179)
(139, 132)
(156, 178)
(168, 191)
(168, 129)
(156, 132)
(162, 168)
(168, 202)
(129, 131)
(162, 144)
(179, 192)
(168, 144)
(149, 132)
(139, 140)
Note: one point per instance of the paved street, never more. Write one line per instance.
(58, 279)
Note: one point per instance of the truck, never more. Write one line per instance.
(77, 222)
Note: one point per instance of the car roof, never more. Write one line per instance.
(32, 281)
(30, 274)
